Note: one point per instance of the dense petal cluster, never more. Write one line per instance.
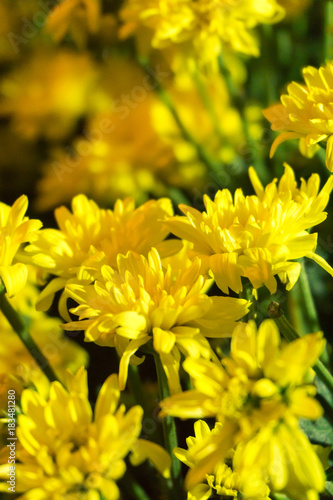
(15, 230)
(305, 113)
(226, 479)
(257, 237)
(90, 237)
(67, 451)
(257, 394)
(141, 300)
(208, 25)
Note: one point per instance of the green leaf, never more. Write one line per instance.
(329, 487)
(329, 474)
(319, 432)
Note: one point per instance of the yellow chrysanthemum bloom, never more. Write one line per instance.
(225, 479)
(141, 300)
(207, 24)
(305, 113)
(79, 17)
(15, 229)
(90, 237)
(257, 237)
(258, 394)
(67, 451)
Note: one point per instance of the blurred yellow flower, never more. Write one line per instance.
(207, 25)
(305, 113)
(259, 236)
(47, 93)
(204, 100)
(225, 479)
(140, 300)
(79, 17)
(115, 156)
(258, 393)
(67, 450)
(90, 237)
(15, 229)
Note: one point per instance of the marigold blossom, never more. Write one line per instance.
(90, 237)
(141, 300)
(15, 229)
(208, 25)
(305, 113)
(68, 451)
(258, 394)
(259, 236)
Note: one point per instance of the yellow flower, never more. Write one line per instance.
(259, 236)
(79, 17)
(15, 229)
(91, 237)
(258, 393)
(67, 451)
(305, 113)
(220, 131)
(116, 156)
(207, 25)
(48, 92)
(283, 452)
(225, 478)
(140, 300)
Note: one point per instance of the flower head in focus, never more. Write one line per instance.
(258, 236)
(89, 237)
(140, 300)
(224, 479)
(15, 230)
(68, 451)
(206, 25)
(305, 113)
(257, 394)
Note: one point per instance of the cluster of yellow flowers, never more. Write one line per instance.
(257, 396)
(137, 290)
(140, 134)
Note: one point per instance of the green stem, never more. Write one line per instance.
(308, 304)
(201, 151)
(22, 331)
(131, 488)
(169, 432)
(207, 102)
(135, 385)
(304, 311)
(239, 101)
(177, 196)
(288, 331)
(328, 31)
